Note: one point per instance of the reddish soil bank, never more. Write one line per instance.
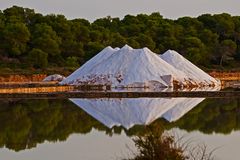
(22, 78)
(226, 76)
(36, 89)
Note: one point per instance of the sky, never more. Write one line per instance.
(94, 9)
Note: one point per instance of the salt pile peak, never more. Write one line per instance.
(126, 67)
(83, 70)
(194, 73)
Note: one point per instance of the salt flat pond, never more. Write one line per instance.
(103, 128)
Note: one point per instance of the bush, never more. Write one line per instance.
(154, 146)
(157, 145)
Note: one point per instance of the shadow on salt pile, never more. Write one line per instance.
(128, 112)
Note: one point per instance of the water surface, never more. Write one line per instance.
(103, 128)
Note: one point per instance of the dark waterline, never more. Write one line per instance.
(98, 94)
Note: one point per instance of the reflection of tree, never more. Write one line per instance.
(15, 126)
(28, 122)
(212, 115)
(155, 145)
(25, 123)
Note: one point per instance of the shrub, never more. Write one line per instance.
(157, 145)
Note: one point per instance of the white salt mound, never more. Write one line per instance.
(128, 112)
(83, 71)
(93, 62)
(193, 72)
(54, 77)
(126, 67)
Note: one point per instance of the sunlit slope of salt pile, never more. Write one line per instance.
(91, 64)
(127, 67)
(129, 112)
(193, 72)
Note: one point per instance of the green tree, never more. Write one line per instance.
(14, 14)
(130, 30)
(2, 21)
(209, 38)
(227, 50)
(46, 39)
(208, 21)
(92, 49)
(133, 43)
(73, 48)
(15, 38)
(80, 32)
(169, 36)
(118, 40)
(194, 50)
(200, 39)
(146, 41)
(192, 25)
(225, 25)
(2, 25)
(38, 58)
(72, 62)
(103, 22)
(236, 35)
(95, 36)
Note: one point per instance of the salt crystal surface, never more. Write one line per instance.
(128, 67)
(192, 71)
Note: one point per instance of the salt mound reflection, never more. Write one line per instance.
(128, 112)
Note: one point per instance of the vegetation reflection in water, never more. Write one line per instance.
(26, 123)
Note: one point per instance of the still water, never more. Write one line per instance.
(103, 129)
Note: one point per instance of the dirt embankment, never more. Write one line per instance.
(226, 76)
(23, 78)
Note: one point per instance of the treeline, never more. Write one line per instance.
(32, 40)
(212, 116)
